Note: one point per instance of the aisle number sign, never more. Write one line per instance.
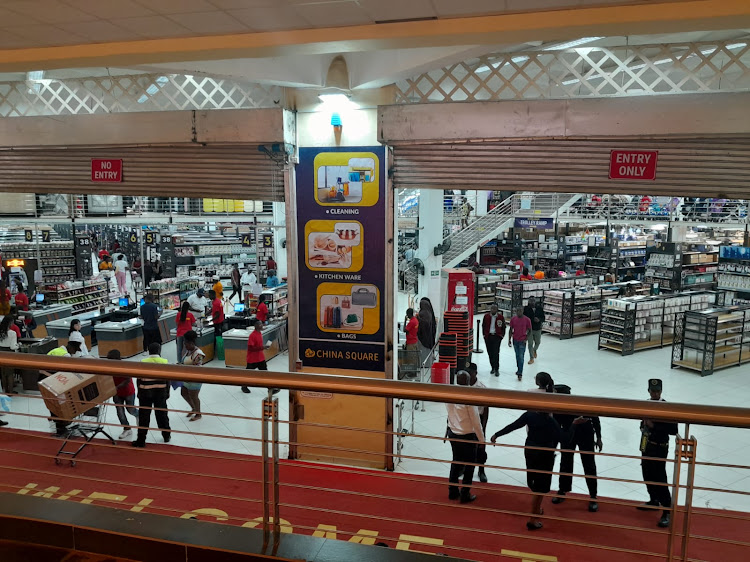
(46, 235)
(633, 164)
(106, 170)
(247, 241)
(268, 240)
(150, 238)
(133, 237)
(29, 235)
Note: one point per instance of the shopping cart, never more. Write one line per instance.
(87, 426)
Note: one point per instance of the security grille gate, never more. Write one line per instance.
(709, 166)
(238, 171)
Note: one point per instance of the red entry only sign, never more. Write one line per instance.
(633, 164)
(106, 170)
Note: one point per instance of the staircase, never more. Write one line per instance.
(466, 241)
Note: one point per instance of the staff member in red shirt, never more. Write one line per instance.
(261, 312)
(22, 303)
(256, 357)
(217, 312)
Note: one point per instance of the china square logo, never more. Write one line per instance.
(309, 353)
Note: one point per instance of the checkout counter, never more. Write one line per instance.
(206, 341)
(168, 326)
(37, 346)
(60, 329)
(127, 336)
(235, 343)
(47, 314)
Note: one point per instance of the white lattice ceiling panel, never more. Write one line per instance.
(132, 93)
(587, 72)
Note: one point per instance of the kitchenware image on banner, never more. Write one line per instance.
(348, 308)
(347, 178)
(334, 246)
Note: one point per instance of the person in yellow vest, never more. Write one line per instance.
(152, 394)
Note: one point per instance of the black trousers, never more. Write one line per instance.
(463, 453)
(656, 471)
(149, 337)
(236, 290)
(493, 350)
(585, 444)
(482, 449)
(152, 398)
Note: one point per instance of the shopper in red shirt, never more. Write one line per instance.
(520, 328)
(271, 264)
(185, 321)
(411, 326)
(124, 399)
(525, 275)
(261, 312)
(256, 357)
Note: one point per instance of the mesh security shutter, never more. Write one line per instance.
(234, 171)
(708, 167)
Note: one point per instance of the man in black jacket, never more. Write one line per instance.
(586, 435)
(535, 312)
(654, 448)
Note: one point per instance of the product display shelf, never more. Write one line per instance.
(170, 293)
(277, 301)
(486, 291)
(629, 256)
(632, 324)
(488, 254)
(83, 296)
(575, 312)
(56, 258)
(601, 260)
(677, 266)
(734, 273)
(512, 294)
(200, 252)
(712, 339)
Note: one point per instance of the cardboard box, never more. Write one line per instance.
(68, 395)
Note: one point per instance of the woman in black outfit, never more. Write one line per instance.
(544, 432)
(427, 329)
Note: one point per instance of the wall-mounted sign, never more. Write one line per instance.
(633, 164)
(268, 240)
(539, 224)
(340, 208)
(46, 235)
(28, 235)
(133, 237)
(106, 170)
(15, 263)
(150, 238)
(247, 241)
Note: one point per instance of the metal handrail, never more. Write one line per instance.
(572, 404)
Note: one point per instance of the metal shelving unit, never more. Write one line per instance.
(712, 339)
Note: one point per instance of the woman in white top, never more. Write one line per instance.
(247, 281)
(8, 342)
(74, 334)
(121, 266)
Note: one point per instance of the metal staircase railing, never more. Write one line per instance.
(466, 241)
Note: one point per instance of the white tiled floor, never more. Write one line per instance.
(575, 362)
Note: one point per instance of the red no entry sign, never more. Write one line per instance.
(106, 170)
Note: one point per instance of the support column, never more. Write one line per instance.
(430, 235)
(677, 233)
(482, 202)
(279, 235)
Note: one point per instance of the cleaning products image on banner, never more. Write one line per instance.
(334, 245)
(348, 308)
(346, 178)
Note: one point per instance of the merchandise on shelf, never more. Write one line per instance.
(677, 266)
(636, 323)
(169, 293)
(56, 258)
(512, 294)
(486, 290)
(734, 272)
(712, 339)
(83, 296)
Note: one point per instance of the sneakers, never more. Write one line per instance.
(593, 506)
(664, 521)
(126, 434)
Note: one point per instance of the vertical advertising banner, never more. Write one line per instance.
(341, 217)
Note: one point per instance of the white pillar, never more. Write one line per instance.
(430, 235)
(279, 234)
(482, 202)
(679, 234)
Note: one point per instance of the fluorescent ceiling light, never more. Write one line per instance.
(571, 44)
(337, 102)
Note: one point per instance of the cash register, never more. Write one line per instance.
(126, 310)
(240, 318)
